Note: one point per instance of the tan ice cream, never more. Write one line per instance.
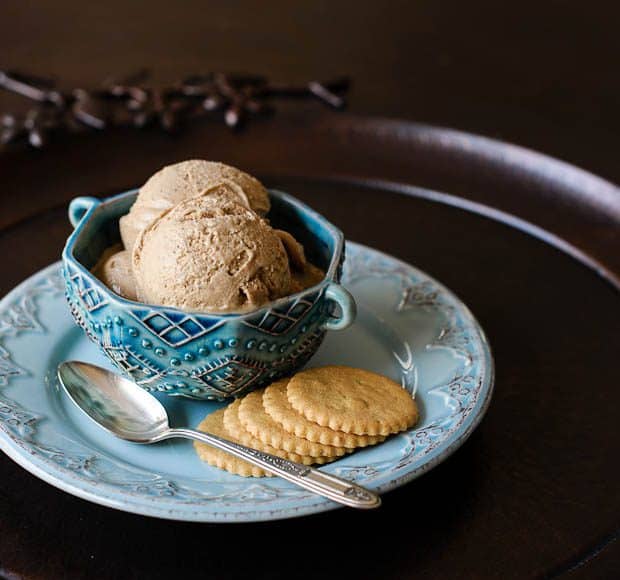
(294, 250)
(303, 273)
(187, 179)
(114, 269)
(309, 276)
(207, 255)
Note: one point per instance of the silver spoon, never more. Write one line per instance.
(129, 412)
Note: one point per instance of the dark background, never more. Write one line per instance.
(543, 74)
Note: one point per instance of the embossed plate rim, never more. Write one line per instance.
(98, 492)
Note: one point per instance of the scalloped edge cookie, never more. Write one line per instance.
(261, 425)
(352, 400)
(277, 405)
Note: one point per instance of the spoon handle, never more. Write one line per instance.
(330, 486)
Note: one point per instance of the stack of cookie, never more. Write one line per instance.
(314, 417)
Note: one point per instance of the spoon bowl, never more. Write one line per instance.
(116, 404)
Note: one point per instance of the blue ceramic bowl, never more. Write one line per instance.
(198, 355)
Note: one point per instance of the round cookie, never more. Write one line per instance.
(214, 424)
(234, 426)
(352, 400)
(277, 405)
(261, 425)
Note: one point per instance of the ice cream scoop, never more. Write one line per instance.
(210, 256)
(303, 273)
(114, 269)
(175, 183)
(309, 276)
(294, 250)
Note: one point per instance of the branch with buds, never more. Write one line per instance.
(131, 102)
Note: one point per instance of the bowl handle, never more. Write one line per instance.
(347, 305)
(78, 208)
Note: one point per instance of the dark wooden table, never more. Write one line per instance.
(537, 485)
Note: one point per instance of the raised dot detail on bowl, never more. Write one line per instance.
(181, 385)
(177, 334)
(146, 343)
(195, 391)
(175, 362)
(159, 351)
(118, 321)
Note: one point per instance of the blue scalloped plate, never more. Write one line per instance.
(409, 327)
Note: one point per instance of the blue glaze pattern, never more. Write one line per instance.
(218, 356)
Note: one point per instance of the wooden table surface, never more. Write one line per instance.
(538, 483)
(541, 74)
